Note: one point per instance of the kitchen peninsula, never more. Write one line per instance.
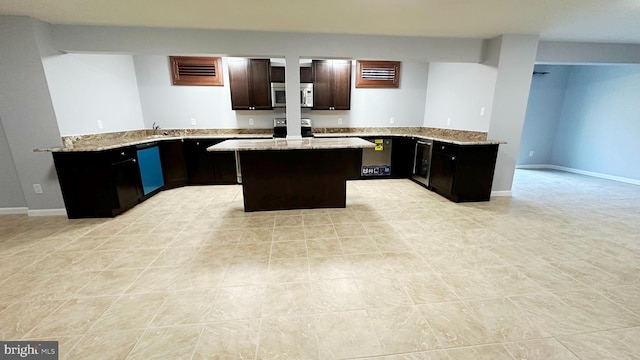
(281, 174)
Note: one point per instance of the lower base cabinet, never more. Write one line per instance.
(463, 173)
(173, 163)
(99, 184)
(209, 167)
(107, 183)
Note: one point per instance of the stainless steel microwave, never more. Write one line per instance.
(279, 96)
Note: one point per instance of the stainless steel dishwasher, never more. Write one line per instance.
(377, 162)
(422, 161)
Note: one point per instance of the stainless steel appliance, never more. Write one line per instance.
(422, 161)
(279, 127)
(305, 128)
(279, 95)
(377, 162)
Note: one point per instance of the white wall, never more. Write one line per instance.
(515, 62)
(573, 53)
(173, 107)
(11, 195)
(543, 114)
(26, 110)
(375, 107)
(86, 88)
(456, 93)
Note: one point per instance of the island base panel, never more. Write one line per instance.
(305, 179)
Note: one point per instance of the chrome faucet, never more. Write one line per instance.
(156, 127)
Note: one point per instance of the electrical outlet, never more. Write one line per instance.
(482, 109)
(531, 153)
(448, 121)
(37, 188)
(99, 124)
(339, 121)
(392, 120)
(193, 121)
(250, 121)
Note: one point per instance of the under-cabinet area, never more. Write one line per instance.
(105, 183)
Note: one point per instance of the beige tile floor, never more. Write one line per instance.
(550, 273)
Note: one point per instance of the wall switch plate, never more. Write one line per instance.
(392, 120)
(531, 153)
(193, 121)
(482, 111)
(37, 188)
(448, 121)
(339, 121)
(250, 121)
(99, 124)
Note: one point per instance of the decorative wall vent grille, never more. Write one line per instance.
(377, 74)
(203, 71)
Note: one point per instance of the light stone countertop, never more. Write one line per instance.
(424, 137)
(98, 143)
(292, 144)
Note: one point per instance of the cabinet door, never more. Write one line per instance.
(341, 85)
(239, 84)
(260, 86)
(306, 74)
(126, 180)
(173, 164)
(402, 156)
(277, 74)
(443, 170)
(322, 74)
(209, 167)
(86, 183)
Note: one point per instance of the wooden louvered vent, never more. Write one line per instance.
(203, 71)
(377, 74)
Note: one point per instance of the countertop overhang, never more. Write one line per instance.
(292, 144)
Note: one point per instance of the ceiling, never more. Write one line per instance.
(570, 20)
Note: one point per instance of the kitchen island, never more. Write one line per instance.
(281, 174)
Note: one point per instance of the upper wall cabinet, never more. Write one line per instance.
(250, 84)
(331, 84)
(278, 74)
(203, 71)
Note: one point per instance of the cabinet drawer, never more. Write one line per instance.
(122, 154)
(445, 148)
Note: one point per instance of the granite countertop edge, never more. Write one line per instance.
(152, 139)
(292, 144)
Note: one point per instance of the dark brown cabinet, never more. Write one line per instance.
(209, 167)
(250, 84)
(402, 157)
(463, 173)
(331, 84)
(99, 183)
(173, 163)
(278, 74)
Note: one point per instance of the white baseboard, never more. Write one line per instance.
(501, 193)
(47, 212)
(581, 172)
(13, 211)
